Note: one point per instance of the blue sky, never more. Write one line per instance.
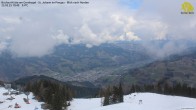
(133, 4)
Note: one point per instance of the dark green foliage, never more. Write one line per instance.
(58, 99)
(121, 99)
(76, 91)
(177, 89)
(106, 97)
(132, 90)
(116, 96)
(135, 88)
(53, 93)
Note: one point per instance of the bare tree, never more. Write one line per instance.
(27, 94)
(8, 87)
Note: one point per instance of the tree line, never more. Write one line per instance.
(177, 89)
(54, 94)
(112, 95)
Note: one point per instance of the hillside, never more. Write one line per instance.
(72, 63)
(178, 68)
(85, 89)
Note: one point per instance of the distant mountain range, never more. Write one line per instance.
(103, 65)
(73, 63)
(173, 69)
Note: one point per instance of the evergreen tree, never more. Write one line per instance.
(53, 93)
(115, 95)
(106, 97)
(56, 102)
(121, 93)
(133, 89)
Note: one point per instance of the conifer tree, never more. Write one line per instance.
(106, 97)
(121, 93)
(133, 89)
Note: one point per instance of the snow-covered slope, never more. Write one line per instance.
(19, 100)
(150, 101)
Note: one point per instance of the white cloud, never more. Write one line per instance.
(3, 45)
(10, 20)
(131, 36)
(37, 29)
(61, 37)
(150, 30)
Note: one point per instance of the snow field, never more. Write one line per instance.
(18, 99)
(150, 101)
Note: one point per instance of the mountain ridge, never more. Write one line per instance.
(69, 61)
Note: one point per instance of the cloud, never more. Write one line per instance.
(37, 29)
(151, 30)
(168, 14)
(162, 20)
(10, 20)
(3, 45)
(61, 37)
(164, 48)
